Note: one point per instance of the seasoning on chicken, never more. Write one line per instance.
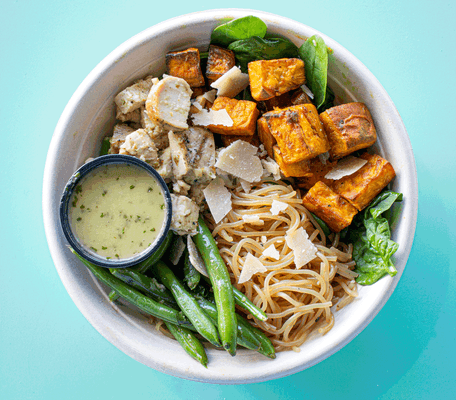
(186, 65)
(219, 61)
(298, 132)
(333, 209)
(361, 187)
(185, 215)
(134, 96)
(270, 78)
(244, 114)
(121, 131)
(139, 144)
(349, 127)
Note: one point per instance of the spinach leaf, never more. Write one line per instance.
(314, 53)
(372, 244)
(329, 100)
(240, 28)
(322, 224)
(257, 48)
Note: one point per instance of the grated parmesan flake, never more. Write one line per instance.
(271, 168)
(252, 265)
(346, 166)
(252, 219)
(212, 117)
(210, 95)
(277, 207)
(271, 252)
(240, 159)
(218, 199)
(231, 83)
(304, 250)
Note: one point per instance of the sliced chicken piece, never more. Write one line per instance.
(169, 102)
(185, 215)
(121, 131)
(134, 96)
(139, 144)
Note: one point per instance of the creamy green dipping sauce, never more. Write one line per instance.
(117, 211)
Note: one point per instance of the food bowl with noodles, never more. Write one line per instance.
(276, 249)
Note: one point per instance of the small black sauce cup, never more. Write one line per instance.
(65, 203)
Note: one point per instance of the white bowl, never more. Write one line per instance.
(89, 116)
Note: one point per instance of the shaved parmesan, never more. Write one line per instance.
(307, 91)
(252, 265)
(252, 219)
(246, 186)
(218, 199)
(271, 168)
(264, 239)
(212, 117)
(304, 250)
(210, 96)
(271, 252)
(231, 83)
(240, 159)
(195, 257)
(277, 207)
(346, 166)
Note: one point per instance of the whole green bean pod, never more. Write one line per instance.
(189, 342)
(191, 275)
(105, 146)
(133, 296)
(243, 301)
(187, 303)
(245, 337)
(221, 284)
(266, 348)
(143, 266)
(147, 285)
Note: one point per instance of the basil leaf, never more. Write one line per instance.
(371, 236)
(240, 28)
(257, 48)
(314, 53)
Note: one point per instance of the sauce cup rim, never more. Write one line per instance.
(71, 185)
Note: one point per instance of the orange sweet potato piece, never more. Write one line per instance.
(361, 187)
(270, 78)
(186, 65)
(219, 61)
(334, 210)
(297, 169)
(349, 127)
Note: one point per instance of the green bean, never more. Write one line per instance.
(105, 145)
(266, 347)
(191, 275)
(245, 337)
(133, 296)
(189, 342)
(188, 304)
(147, 285)
(221, 284)
(243, 301)
(143, 266)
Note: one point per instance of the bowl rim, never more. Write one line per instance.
(82, 172)
(137, 40)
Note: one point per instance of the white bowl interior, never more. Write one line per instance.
(90, 115)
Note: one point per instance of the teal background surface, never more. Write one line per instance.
(48, 350)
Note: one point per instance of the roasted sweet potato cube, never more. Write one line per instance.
(186, 65)
(361, 187)
(297, 169)
(298, 132)
(337, 212)
(265, 136)
(228, 139)
(300, 97)
(244, 114)
(282, 101)
(349, 127)
(270, 78)
(318, 170)
(219, 61)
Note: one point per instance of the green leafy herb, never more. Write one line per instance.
(314, 53)
(371, 237)
(240, 28)
(132, 186)
(257, 48)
